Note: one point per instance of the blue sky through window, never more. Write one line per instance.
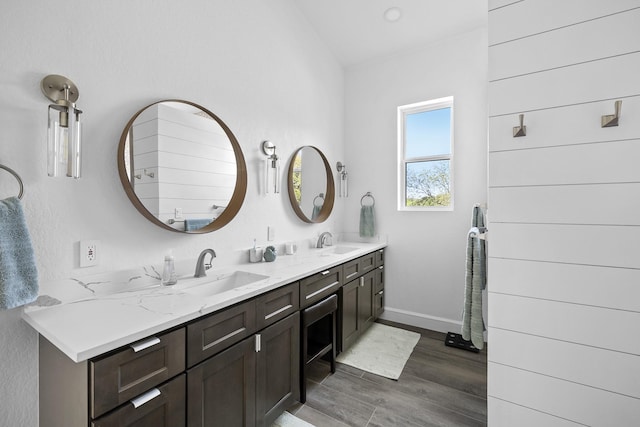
(428, 133)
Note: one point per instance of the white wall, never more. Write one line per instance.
(253, 63)
(564, 289)
(426, 255)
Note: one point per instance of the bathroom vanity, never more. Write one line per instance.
(189, 355)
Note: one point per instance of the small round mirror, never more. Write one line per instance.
(310, 182)
(182, 167)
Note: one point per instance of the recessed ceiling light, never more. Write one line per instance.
(393, 14)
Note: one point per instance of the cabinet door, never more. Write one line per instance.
(350, 320)
(365, 301)
(278, 369)
(221, 390)
(166, 409)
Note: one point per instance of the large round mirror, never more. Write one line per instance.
(310, 183)
(181, 167)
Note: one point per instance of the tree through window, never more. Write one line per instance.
(425, 151)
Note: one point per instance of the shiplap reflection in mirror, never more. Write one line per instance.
(181, 165)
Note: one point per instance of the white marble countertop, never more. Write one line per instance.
(88, 316)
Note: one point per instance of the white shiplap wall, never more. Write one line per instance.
(564, 204)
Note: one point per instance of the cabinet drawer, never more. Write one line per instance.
(166, 409)
(121, 376)
(351, 270)
(214, 333)
(379, 257)
(367, 262)
(378, 283)
(277, 304)
(320, 285)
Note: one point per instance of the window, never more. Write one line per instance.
(425, 155)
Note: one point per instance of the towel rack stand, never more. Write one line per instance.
(368, 194)
(17, 177)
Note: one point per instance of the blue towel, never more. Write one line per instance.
(18, 273)
(475, 281)
(195, 224)
(316, 212)
(367, 221)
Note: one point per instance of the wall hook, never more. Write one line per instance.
(520, 130)
(611, 119)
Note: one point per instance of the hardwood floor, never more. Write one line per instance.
(439, 386)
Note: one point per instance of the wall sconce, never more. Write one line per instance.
(343, 179)
(272, 168)
(64, 137)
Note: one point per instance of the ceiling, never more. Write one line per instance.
(356, 31)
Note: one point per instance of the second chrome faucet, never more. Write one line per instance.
(201, 267)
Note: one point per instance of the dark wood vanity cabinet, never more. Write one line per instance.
(249, 384)
(239, 366)
(362, 298)
(357, 308)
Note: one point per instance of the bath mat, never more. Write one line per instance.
(288, 420)
(382, 350)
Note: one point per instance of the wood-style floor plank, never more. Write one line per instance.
(439, 386)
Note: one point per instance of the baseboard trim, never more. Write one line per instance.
(424, 321)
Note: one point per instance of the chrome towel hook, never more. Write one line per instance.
(520, 130)
(610, 120)
(17, 177)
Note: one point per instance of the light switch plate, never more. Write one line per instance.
(271, 233)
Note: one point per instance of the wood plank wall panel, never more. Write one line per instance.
(574, 283)
(564, 204)
(506, 412)
(570, 362)
(562, 399)
(531, 17)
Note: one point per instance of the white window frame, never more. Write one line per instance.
(403, 111)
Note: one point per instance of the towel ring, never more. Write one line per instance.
(373, 201)
(321, 197)
(17, 177)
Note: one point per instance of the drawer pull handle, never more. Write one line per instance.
(321, 290)
(381, 293)
(361, 281)
(381, 251)
(141, 345)
(351, 275)
(324, 273)
(275, 313)
(145, 397)
(381, 267)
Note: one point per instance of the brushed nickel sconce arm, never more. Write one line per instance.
(611, 119)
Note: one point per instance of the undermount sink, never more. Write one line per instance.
(339, 250)
(222, 282)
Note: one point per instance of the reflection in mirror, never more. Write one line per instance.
(182, 167)
(310, 183)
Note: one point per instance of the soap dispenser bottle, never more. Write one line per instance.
(169, 272)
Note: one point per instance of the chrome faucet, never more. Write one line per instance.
(201, 267)
(322, 240)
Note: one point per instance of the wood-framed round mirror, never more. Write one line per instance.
(182, 167)
(310, 183)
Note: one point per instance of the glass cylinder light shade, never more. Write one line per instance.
(272, 178)
(64, 141)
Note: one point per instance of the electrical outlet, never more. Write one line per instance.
(271, 233)
(89, 252)
(178, 213)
